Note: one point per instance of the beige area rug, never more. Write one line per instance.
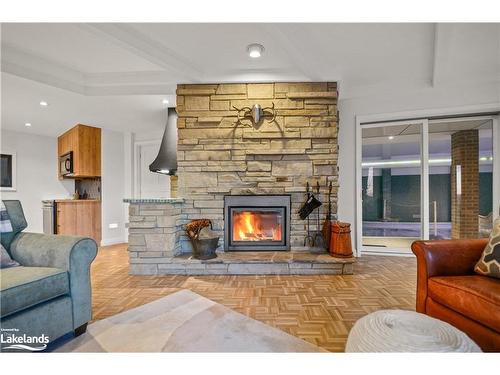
(184, 322)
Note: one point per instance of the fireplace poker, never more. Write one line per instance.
(319, 240)
(308, 240)
(327, 230)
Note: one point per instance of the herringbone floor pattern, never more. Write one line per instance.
(318, 309)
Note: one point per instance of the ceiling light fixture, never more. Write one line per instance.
(43, 103)
(255, 50)
(27, 124)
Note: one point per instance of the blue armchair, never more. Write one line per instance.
(50, 292)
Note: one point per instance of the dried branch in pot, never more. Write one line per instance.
(194, 227)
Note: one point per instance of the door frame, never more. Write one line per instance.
(137, 164)
(424, 184)
(492, 110)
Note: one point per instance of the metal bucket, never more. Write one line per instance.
(205, 248)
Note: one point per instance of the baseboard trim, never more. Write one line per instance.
(112, 241)
(387, 252)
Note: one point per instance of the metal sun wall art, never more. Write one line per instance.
(256, 113)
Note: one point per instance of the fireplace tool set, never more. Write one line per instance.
(327, 225)
(314, 239)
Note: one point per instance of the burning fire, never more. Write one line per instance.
(256, 226)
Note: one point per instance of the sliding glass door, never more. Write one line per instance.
(392, 189)
(425, 179)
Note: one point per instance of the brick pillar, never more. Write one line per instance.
(465, 204)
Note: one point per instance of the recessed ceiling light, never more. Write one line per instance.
(391, 137)
(28, 124)
(165, 101)
(43, 103)
(255, 50)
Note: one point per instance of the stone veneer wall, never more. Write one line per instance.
(155, 230)
(217, 156)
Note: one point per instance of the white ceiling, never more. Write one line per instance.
(21, 98)
(115, 75)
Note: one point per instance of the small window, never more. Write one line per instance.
(8, 172)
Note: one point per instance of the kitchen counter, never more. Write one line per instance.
(73, 217)
(76, 200)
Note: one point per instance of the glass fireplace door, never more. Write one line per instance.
(261, 225)
(257, 222)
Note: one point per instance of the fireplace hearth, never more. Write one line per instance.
(257, 222)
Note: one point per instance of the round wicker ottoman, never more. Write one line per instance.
(406, 331)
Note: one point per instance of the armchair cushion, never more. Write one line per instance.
(489, 263)
(476, 296)
(17, 220)
(5, 225)
(5, 259)
(23, 287)
(68, 253)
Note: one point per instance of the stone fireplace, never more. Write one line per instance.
(256, 222)
(219, 156)
(248, 179)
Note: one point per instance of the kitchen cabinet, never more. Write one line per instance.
(85, 143)
(79, 217)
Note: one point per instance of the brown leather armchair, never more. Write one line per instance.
(448, 289)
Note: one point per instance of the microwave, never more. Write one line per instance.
(66, 164)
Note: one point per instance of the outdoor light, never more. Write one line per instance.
(255, 50)
(27, 124)
(165, 101)
(43, 103)
(391, 137)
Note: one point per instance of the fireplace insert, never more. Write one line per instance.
(256, 222)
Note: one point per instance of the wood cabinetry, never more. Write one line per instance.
(85, 143)
(79, 218)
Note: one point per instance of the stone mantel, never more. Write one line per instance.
(154, 200)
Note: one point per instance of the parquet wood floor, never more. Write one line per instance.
(319, 309)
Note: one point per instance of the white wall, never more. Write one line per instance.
(36, 174)
(113, 187)
(37, 179)
(388, 102)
